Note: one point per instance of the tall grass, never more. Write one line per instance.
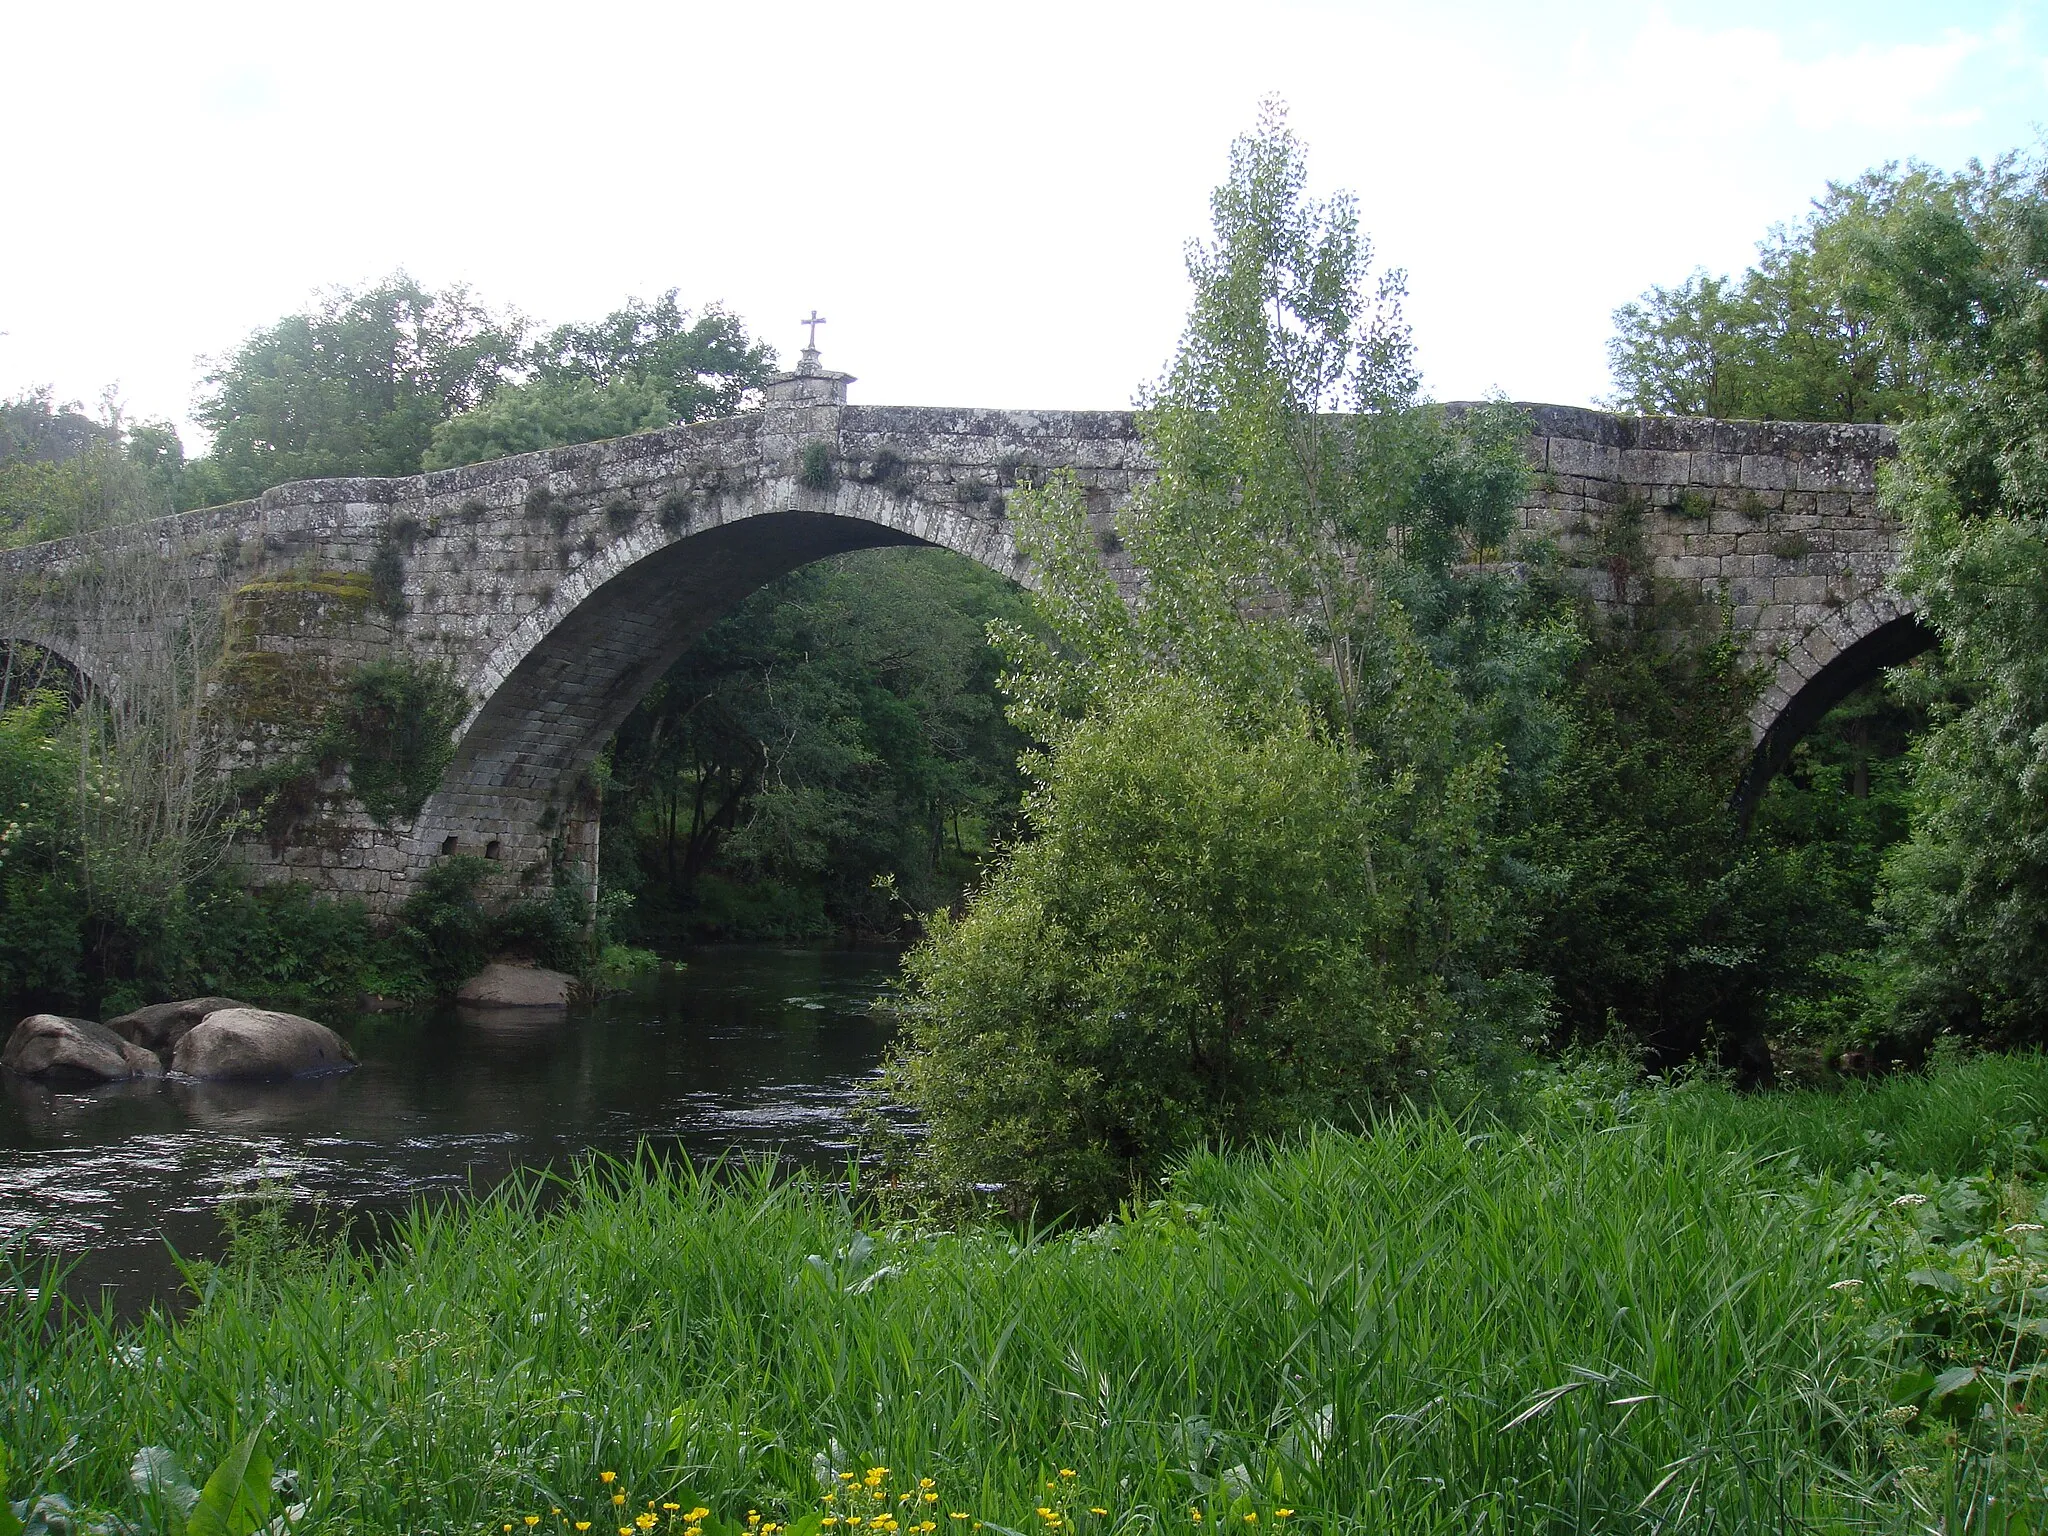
(1612, 1319)
(1964, 1117)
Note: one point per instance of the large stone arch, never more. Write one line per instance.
(1819, 670)
(562, 682)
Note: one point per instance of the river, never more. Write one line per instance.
(745, 1049)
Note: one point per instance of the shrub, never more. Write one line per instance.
(395, 730)
(387, 579)
(814, 467)
(1188, 952)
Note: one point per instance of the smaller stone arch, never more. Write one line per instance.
(91, 672)
(1831, 661)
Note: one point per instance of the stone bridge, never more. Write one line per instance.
(558, 586)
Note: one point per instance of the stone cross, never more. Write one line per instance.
(814, 322)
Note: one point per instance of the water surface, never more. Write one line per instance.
(750, 1049)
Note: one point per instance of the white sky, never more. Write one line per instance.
(988, 203)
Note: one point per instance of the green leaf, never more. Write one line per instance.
(236, 1499)
(1953, 1380)
(10, 1522)
(1911, 1386)
(156, 1475)
(1936, 1280)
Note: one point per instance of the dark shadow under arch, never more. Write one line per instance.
(568, 694)
(1890, 644)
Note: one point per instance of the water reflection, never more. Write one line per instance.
(753, 1049)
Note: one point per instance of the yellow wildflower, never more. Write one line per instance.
(582, 1525)
(1251, 1517)
(645, 1520)
(618, 1498)
(532, 1520)
(607, 1477)
(1067, 1472)
(699, 1513)
(666, 1504)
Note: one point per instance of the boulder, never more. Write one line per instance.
(160, 1026)
(499, 985)
(255, 1043)
(75, 1050)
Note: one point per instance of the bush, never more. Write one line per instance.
(395, 729)
(1190, 951)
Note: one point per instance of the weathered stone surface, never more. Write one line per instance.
(160, 1026)
(58, 1049)
(557, 586)
(499, 985)
(257, 1044)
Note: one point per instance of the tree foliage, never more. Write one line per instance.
(397, 377)
(1797, 337)
(1186, 948)
(63, 472)
(1294, 623)
(1960, 266)
(643, 366)
(841, 728)
(355, 386)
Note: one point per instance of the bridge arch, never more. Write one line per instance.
(1830, 662)
(90, 670)
(566, 677)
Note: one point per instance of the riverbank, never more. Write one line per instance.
(761, 1049)
(1628, 1308)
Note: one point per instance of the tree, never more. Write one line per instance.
(354, 387)
(643, 366)
(1175, 945)
(1796, 338)
(64, 473)
(521, 418)
(831, 733)
(1958, 265)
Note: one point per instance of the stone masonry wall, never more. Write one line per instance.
(556, 587)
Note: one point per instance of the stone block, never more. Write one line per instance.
(1762, 472)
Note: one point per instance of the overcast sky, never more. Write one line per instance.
(988, 203)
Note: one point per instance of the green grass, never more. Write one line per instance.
(1988, 1112)
(1625, 1311)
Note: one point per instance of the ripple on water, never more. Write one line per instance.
(726, 1055)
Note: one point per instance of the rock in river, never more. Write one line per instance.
(160, 1026)
(74, 1050)
(516, 986)
(246, 1043)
